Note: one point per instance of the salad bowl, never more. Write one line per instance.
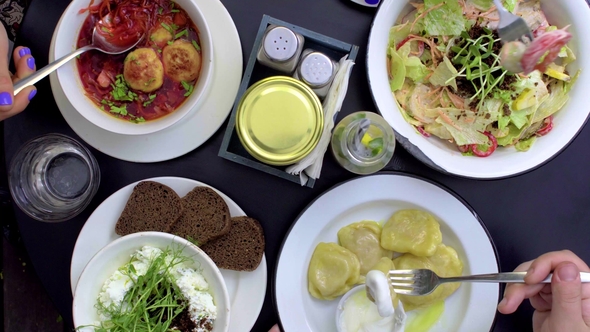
(506, 161)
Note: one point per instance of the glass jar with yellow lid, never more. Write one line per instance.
(363, 142)
(279, 120)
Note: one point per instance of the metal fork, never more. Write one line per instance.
(424, 281)
(512, 27)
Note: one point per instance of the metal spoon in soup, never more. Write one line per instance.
(102, 40)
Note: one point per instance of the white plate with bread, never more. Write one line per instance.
(119, 214)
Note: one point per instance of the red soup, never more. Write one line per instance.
(153, 79)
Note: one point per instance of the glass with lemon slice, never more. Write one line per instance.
(363, 142)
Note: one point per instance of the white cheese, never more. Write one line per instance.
(190, 281)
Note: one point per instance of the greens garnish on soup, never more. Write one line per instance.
(453, 78)
(154, 78)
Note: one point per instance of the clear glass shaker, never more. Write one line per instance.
(53, 178)
(363, 143)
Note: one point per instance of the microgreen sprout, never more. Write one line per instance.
(470, 55)
(152, 302)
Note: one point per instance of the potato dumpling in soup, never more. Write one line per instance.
(362, 238)
(411, 231)
(333, 270)
(445, 262)
(160, 36)
(143, 70)
(182, 61)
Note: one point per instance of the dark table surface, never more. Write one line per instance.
(543, 210)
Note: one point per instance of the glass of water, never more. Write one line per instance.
(53, 178)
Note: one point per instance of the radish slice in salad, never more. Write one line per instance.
(546, 47)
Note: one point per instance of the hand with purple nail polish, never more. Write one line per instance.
(563, 305)
(25, 65)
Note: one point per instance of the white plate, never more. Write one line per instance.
(505, 161)
(192, 131)
(246, 289)
(471, 308)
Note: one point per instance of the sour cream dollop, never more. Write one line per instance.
(357, 313)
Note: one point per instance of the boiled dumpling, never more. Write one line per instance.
(411, 231)
(445, 262)
(362, 238)
(448, 264)
(333, 270)
(385, 265)
(407, 262)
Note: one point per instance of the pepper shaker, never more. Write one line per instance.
(316, 70)
(280, 48)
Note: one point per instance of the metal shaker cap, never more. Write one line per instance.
(280, 44)
(316, 69)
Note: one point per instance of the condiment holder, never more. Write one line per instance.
(255, 137)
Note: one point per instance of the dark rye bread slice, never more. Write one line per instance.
(241, 249)
(152, 206)
(206, 216)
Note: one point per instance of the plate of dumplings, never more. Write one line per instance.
(384, 222)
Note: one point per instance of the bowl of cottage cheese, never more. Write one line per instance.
(151, 281)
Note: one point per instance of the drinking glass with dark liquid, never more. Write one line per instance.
(53, 178)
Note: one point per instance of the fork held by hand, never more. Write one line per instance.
(512, 27)
(423, 281)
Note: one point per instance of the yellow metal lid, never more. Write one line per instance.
(279, 120)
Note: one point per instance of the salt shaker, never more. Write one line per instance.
(316, 70)
(280, 48)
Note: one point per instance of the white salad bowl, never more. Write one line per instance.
(117, 253)
(504, 162)
(69, 79)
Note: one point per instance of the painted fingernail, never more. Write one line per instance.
(568, 272)
(24, 51)
(31, 63)
(5, 98)
(32, 94)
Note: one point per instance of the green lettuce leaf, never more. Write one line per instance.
(438, 130)
(568, 85)
(556, 100)
(513, 134)
(398, 71)
(397, 33)
(525, 145)
(510, 5)
(445, 20)
(463, 134)
(415, 69)
(503, 121)
(489, 114)
(519, 118)
(444, 74)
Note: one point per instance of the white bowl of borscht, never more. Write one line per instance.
(152, 86)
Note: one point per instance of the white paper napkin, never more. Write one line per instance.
(311, 165)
